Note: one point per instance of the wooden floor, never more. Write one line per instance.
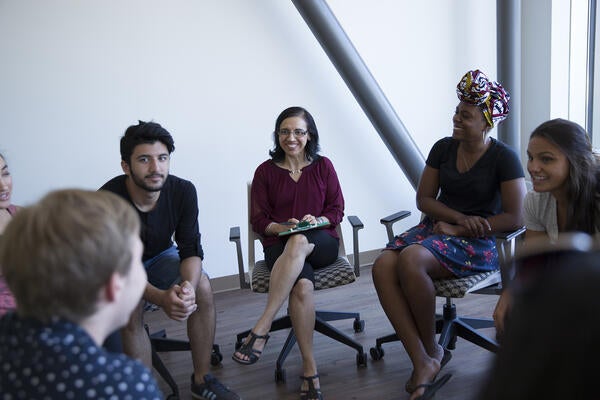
(341, 379)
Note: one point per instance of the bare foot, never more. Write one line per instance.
(410, 384)
(438, 353)
(425, 374)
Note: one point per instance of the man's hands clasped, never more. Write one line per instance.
(179, 301)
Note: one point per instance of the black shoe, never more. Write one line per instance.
(212, 389)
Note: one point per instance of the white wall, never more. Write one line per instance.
(216, 73)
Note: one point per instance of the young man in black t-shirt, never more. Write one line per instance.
(168, 207)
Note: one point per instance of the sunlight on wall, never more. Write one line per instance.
(569, 60)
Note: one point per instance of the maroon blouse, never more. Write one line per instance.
(276, 197)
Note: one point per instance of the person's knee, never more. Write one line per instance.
(414, 262)
(299, 244)
(302, 290)
(204, 294)
(384, 265)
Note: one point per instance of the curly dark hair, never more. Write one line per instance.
(144, 132)
(312, 146)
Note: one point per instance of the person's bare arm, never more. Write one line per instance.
(427, 202)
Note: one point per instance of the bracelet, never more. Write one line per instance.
(268, 226)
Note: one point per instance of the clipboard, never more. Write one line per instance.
(303, 226)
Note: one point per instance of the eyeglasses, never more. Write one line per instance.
(296, 132)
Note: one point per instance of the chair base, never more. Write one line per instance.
(160, 343)
(322, 326)
(449, 326)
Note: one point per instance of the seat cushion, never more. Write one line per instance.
(337, 274)
(458, 287)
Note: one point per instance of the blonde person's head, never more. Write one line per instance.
(57, 254)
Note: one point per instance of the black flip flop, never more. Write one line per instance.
(431, 388)
(409, 387)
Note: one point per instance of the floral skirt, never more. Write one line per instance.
(463, 256)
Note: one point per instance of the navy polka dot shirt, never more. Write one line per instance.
(61, 361)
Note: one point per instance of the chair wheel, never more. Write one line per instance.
(377, 353)
(216, 357)
(361, 359)
(280, 375)
(359, 325)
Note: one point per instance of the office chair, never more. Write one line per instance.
(337, 274)
(450, 325)
(160, 343)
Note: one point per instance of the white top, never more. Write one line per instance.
(541, 216)
(540, 213)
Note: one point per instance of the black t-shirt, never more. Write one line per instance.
(175, 215)
(477, 191)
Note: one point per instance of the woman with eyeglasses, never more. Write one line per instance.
(471, 187)
(295, 186)
(7, 211)
(565, 173)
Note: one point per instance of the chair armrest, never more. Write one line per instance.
(510, 235)
(234, 233)
(390, 220)
(356, 226)
(506, 253)
(234, 236)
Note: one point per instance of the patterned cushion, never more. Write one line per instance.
(337, 274)
(458, 287)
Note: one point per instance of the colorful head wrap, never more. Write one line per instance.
(475, 88)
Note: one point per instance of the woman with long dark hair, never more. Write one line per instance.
(565, 173)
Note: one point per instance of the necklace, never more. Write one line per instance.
(292, 171)
(466, 164)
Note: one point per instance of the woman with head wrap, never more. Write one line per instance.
(472, 186)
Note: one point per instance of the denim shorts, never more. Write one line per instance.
(163, 270)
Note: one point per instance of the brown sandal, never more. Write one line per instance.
(248, 350)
